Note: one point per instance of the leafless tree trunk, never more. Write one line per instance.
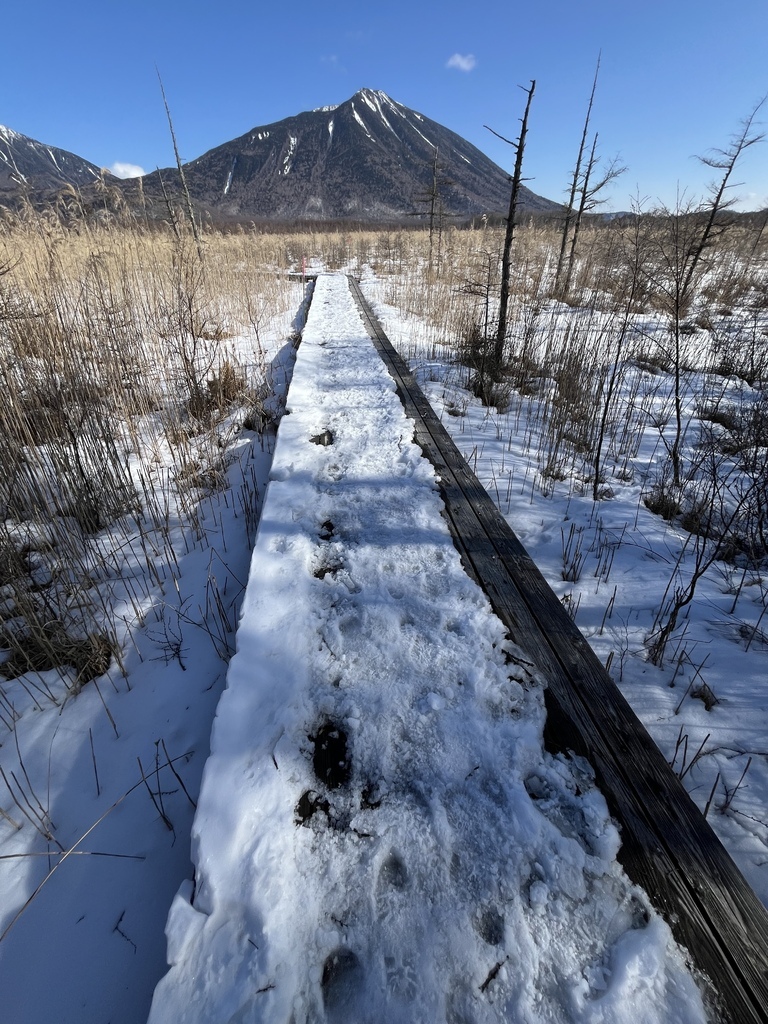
(691, 232)
(613, 378)
(569, 210)
(588, 200)
(432, 198)
(179, 165)
(517, 180)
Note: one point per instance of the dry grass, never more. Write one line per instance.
(122, 357)
(119, 354)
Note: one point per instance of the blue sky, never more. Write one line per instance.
(676, 77)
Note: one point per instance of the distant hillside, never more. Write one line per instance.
(368, 159)
(27, 165)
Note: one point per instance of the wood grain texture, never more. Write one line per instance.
(668, 847)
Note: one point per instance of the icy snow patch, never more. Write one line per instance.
(361, 122)
(288, 158)
(428, 141)
(380, 835)
(229, 176)
(374, 102)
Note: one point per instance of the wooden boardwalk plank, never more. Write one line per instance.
(668, 847)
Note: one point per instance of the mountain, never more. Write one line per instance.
(27, 164)
(369, 159)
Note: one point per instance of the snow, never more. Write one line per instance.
(374, 102)
(94, 918)
(384, 98)
(428, 141)
(288, 158)
(229, 177)
(360, 122)
(10, 136)
(627, 558)
(375, 97)
(380, 835)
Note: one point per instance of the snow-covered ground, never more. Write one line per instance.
(613, 564)
(380, 834)
(90, 855)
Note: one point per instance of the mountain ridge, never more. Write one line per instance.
(369, 158)
(27, 165)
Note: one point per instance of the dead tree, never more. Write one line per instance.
(517, 180)
(432, 198)
(180, 168)
(589, 190)
(575, 180)
(688, 233)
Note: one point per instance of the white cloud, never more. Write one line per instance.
(747, 201)
(123, 170)
(462, 61)
(332, 60)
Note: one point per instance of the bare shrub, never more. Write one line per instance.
(52, 646)
(226, 384)
(112, 332)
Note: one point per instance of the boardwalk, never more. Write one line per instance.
(667, 846)
(381, 833)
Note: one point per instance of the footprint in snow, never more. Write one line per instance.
(391, 886)
(391, 890)
(393, 873)
(329, 566)
(343, 986)
(402, 977)
(561, 808)
(325, 438)
(330, 757)
(310, 804)
(489, 925)
(333, 473)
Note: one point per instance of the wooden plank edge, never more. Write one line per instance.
(745, 987)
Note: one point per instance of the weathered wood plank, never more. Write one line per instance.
(667, 846)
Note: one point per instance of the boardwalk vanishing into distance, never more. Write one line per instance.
(391, 826)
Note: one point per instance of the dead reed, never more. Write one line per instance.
(130, 358)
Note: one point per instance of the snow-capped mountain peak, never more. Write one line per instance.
(367, 159)
(31, 166)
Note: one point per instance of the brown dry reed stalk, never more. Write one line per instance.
(117, 361)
